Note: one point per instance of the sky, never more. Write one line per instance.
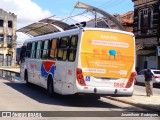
(30, 11)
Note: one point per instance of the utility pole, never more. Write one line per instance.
(95, 19)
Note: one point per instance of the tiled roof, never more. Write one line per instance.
(127, 21)
(124, 18)
(126, 14)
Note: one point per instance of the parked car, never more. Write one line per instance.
(140, 76)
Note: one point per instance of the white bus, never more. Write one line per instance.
(84, 60)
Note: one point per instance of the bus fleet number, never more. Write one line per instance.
(120, 85)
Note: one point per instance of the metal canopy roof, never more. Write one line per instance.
(104, 13)
(58, 23)
(43, 27)
(47, 25)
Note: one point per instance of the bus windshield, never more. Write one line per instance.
(107, 54)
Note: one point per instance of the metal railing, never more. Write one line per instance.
(10, 75)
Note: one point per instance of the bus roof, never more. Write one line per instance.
(57, 34)
(109, 30)
(73, 31)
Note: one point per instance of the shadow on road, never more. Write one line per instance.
(39, 94)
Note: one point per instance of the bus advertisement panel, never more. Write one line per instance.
(107, 54)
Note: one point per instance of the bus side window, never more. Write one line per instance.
(45, 49)
(63, 48)
(38, 50)
(53, 50)
(73, 48)
(33, 50)
(28, 51)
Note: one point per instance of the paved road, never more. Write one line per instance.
(16, 96)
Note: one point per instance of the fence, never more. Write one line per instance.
(10, 75)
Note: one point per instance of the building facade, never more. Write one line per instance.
(146, 29)
(8, 37)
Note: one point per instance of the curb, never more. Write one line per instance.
(143, 106)
(10, 70)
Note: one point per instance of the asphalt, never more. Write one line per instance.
(138, 99)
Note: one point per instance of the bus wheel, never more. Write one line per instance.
(50, 88)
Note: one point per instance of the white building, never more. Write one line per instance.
(8, 37)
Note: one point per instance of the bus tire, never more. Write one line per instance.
(26, 77)
(50, 87)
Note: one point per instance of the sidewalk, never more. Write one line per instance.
(140, 99)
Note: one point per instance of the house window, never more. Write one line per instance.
(1, 59)
(9, 39)
(1, 23)
(145, 16)
(1, 39)
(10, 24)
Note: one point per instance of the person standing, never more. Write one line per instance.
(148, 82)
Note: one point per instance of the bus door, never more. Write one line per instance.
(58, 56)
(34, 63)
(30, 63)
(61, 63)
(68, 86)
(21, 60)
(37, 64)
